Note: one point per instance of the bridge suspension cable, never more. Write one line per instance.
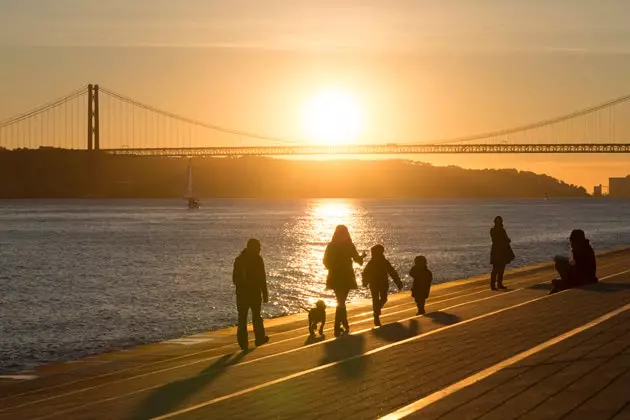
(540, 124)
(60, 123)
(564, 129)
(198, 123)
(46, 107)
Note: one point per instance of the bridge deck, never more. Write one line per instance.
(377, 149)
(476, 354)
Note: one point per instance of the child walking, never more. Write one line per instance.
(422, 278)
(375, 276)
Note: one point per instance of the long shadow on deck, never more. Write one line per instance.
(606, 287)
(541, 286)
(346, 347)
(602, 287)
(312, 339)
(443, 318)
(396, 331)
(170, 396)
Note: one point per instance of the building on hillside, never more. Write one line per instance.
(619, 187)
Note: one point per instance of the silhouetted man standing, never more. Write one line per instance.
(250, 280)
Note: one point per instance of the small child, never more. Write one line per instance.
(375, 276)
(422, 278)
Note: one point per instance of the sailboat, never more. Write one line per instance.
(193, 203)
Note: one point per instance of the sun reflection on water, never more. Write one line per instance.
(311, 233)
(325, 216)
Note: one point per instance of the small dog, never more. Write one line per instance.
(316, 315)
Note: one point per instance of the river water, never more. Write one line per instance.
(79, 277)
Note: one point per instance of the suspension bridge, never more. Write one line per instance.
(96, 119)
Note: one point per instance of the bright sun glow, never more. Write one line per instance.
(332, 213)
(332, 118)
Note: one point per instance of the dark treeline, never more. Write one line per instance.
(58, 173)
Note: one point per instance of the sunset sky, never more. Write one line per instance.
(418, 70)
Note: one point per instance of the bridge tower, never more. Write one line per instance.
(93, 140)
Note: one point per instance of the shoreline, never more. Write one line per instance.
(299, 198)
(360, 307)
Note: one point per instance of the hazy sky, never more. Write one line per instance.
(422, 69)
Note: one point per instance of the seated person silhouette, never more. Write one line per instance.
(581, 269)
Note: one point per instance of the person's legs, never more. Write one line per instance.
(344, 320)
(344, 313)
(340, 302)
(420, 304)
(376, 302)
(337, 326)
(379, 297)
(242, 306)
(341, 316)
(376, 306)
(500, 272)
(259, 327)
(563, 267)
(493, 277)
(383, 296)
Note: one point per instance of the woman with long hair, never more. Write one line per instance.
(501, 253)
(338, 258)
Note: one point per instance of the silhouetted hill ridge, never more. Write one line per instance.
(73, 174)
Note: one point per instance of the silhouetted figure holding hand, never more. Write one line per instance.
(250, 280)
(422, 279)
(375, 276)
(579, 271)
(501, 253)
(338, 258)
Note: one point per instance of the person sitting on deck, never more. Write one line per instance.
(579, 271)
(375, 277)
(422, 279)
(250, 280)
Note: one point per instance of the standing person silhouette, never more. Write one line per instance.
(375, 276)
(501, 253)
(250, 280)
(338, 258)
(422, 279)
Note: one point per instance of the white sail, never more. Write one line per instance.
(189, 191)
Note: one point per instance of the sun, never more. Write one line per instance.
(332, 117)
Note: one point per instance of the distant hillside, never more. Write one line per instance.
(57, 173)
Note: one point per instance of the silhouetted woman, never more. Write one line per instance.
(501, 253)
(338, 258)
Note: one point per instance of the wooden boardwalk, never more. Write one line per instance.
(476, 354)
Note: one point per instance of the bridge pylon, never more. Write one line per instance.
(93, 138)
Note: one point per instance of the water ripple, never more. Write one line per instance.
(83, 277)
